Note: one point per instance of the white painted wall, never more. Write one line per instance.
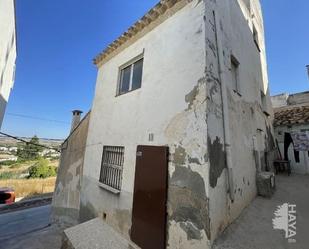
(172, 67)
(179, 59)
(245, 112)
(279, 100)
(303, 166)
(7, 52)
(174, 62)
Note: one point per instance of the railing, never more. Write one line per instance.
(112, 165)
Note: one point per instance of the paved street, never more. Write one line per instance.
(28, 228)
(254, 230)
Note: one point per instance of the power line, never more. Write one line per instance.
(37, 118)
(29, 142)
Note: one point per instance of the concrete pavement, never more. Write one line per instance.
(28, 229)
(254, 229)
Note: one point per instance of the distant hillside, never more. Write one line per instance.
(44, 141)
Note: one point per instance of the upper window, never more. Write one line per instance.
(235, 74)
(256, 38)
(131, 77)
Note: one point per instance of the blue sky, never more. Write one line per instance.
(58, 39)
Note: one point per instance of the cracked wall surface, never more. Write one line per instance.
(248, 116)
(171, 105)
(180, 105)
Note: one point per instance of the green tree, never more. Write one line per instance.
(30, 150)
(42, 169)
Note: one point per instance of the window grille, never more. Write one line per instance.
(112, 165)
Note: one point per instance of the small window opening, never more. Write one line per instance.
(131, 77)
(235, 75)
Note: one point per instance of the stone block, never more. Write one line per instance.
(266, 184)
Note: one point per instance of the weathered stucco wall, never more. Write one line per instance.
(285, 99)
(66, 199)
(7, 52)
(171, 105)
(284, 102)
(301, 167)
(180, 103)
(246, 110)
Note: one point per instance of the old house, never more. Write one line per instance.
(8, 52)
(291, 122)
(180, 126)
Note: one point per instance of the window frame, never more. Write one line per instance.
(108, 179)
(131, 64)
(235, 63)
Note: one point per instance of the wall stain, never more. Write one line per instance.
(190, 97)
(87, 212)
(193, 95)
(217, 161)
(121, 218)
(192, 231)
(194, 160)
(188, 203)
(180, 155)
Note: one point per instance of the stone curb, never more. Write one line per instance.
(25, 204)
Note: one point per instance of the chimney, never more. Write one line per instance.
(75, 119)
(307, 69)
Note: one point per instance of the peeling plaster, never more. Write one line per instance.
(180, 155)
(188, 203)
(192, 231)
(187, 200)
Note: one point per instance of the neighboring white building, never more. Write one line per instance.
(180, 125)
(2, 148)
(5, 157)
(292, 117)
(8, 52)
(13, 149)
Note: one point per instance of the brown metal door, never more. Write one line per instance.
(149, 201)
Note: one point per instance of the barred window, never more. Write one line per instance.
(112, 165)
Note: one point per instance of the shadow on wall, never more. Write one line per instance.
(3, 104)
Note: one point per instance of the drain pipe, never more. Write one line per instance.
(226, 120)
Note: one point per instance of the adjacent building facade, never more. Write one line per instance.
(66, 199)
(291, 123)
(8, 52)
(181, 124)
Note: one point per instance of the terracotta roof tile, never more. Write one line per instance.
(150, 17)
(291, 115)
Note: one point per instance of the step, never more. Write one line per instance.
(95, 234)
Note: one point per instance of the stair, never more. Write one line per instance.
(95, 234)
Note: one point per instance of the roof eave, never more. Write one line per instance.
(158, 11)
